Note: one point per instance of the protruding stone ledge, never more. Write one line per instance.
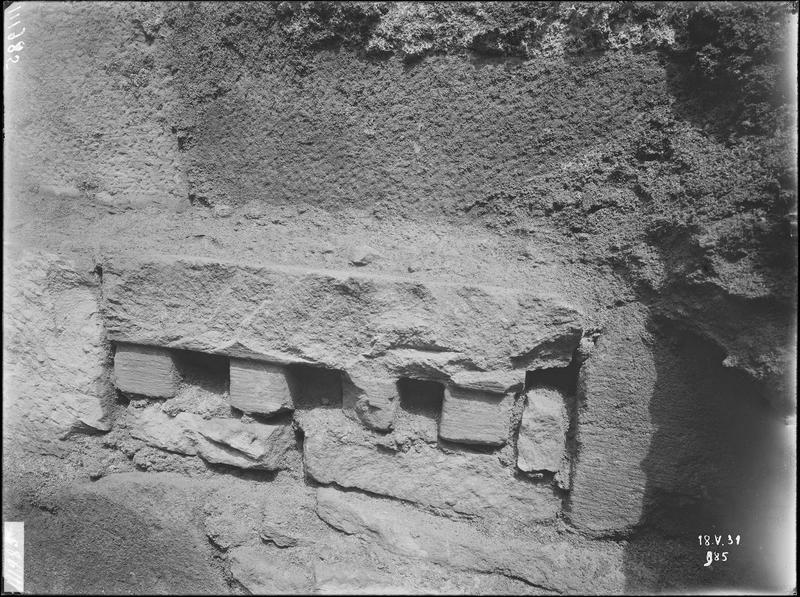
(145, 370)
(335, 319)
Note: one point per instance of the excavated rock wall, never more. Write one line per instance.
(400, 297)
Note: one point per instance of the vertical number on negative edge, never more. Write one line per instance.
(13, 557)
(16, 46)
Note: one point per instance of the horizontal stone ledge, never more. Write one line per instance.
(336, 319)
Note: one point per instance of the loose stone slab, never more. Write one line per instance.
(542, 434)
(475, 417)
(218, 440)
(258, 387)
(146, 370)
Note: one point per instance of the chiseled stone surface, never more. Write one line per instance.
(258, 387)
(614, 427)
(145, 370)
(475, 417)
(337, 319)
(543, 431)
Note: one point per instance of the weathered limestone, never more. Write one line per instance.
(542, 433)
(556, 565)
(339, 451)
(475, 417)
(339, 320)
(258, 387)
(85, 411)
(372, 400)
(264, 571)
(495, 382)
(271, 533)
(220, 441)
(337, 579)
(145, 370)
(244, 445)
(157, 429)
(53, 351)
(614, 427)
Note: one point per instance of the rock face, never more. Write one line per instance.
(474, 417)
(543, 431)
(145, 370)
(259, 387)
(55, 383)
(419, 535)
(262, 573)
(218, 440)
(331, 243)
(476, 485)
(374, 329)
(285, 313)
(336, 579)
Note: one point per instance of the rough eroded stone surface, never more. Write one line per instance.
(372, 400)
(556, 565)
(157, 429)
(125, 534)
(54, 382)
(348, 579)
(475, 417)
(337, 451)
(220, 441)
(244, 445)
(258, 387)
(146, 370)
(542, 433)
(262, 571)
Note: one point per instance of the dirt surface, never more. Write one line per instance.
(637, 161)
